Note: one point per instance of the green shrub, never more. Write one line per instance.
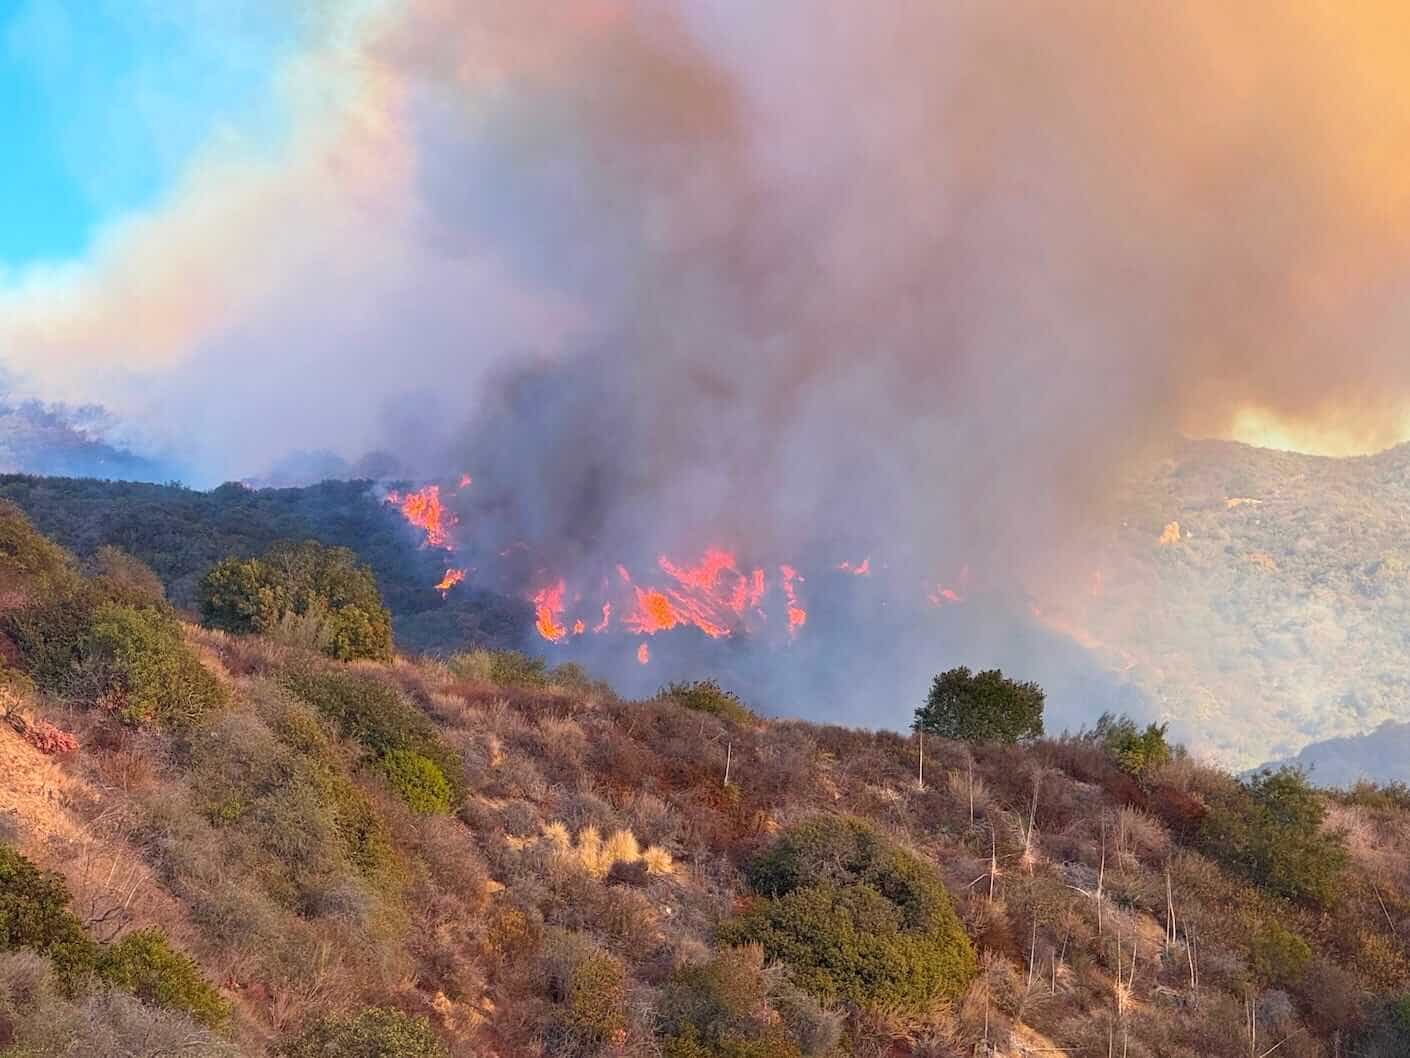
(1269, 828)
(29, 562)
(589, 987)
(1136, 752)
(417, 780)
(722, 1008)
(505, 668)
(855, 918)
(144, 964)
(375, 1033)
(128, 580)
(981, 707)
(34, 916)
(707, 696)
(377, 716)
(49, 633)
(139, 660)
(1276, 955)
(335, 597)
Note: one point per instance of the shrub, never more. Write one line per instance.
(417, 780)
(126, 579)
(37, 1023)
(1277, 955)
(981, 707)
(1136, 752)
(325, 586)
(138, 660)
(34, 915)
(1389, 1033)
(855, 917)
(1270, 829)
(721, 1007)
(366, 709)
(375, 1033)
(48, 634)
(144, 964)
(589, 987)
(707, 696)
(29, 562)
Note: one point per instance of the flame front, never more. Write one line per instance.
(548, 609)
(797, 616)
(450, 580)
(424, 510)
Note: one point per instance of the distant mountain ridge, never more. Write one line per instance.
(1260, 598)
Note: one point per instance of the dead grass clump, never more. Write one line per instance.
(1140, 836)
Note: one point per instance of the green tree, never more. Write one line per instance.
(324, 586)
(981, 707)
(377, 1032)
(1135, 751)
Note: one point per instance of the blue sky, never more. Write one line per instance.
(102, 102)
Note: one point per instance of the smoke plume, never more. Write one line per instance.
(799, 277)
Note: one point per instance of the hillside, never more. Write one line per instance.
(1220, 582)
(480, 857)
(1232, 583)
(180, 533)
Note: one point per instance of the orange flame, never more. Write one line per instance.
(465, 481)
(579, 627)
(643, 654)
(423, 509)
(548, 608)
(450, 580)
(601, 626)
(711, 595)
(861, 569)
(797, 616)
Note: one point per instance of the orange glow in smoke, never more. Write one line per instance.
(601, 626)
(861, 569)
(643, 654)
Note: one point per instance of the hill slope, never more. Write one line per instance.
(534, 866)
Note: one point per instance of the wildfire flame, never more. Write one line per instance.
(797, 616)
(1171, 535)
(424, 510)
(643, 654)
(860, 569)
(548, 608)
(450, 580)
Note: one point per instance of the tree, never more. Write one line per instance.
(981, 707)
(1136, 752)
(320, 593)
